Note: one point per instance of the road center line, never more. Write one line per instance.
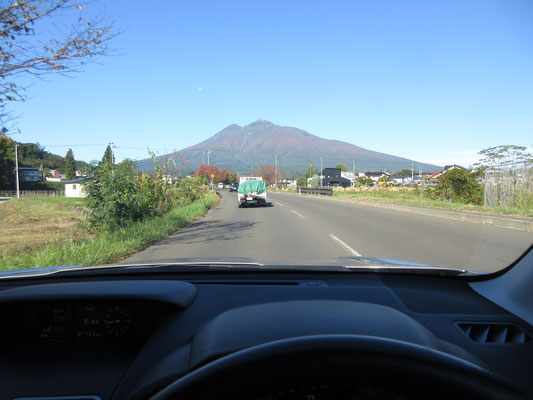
(298, 214)
(346, 247)
(279, 204)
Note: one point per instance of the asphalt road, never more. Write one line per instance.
(303, 229)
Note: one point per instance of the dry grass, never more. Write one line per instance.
(106, 247)
(28, 224)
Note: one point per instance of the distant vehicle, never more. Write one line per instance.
(220, 185)
(233, 187)
(250, 178)
(252, 191)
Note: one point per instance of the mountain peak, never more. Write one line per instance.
(242, 148)
(261, 122)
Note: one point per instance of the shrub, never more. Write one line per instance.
(460, 186)
(117, 195)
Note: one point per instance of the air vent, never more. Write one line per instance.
(499, 333)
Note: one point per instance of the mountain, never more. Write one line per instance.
(237, 147)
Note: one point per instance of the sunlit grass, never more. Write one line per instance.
(110, 247)
(29, 223)
(412, 197)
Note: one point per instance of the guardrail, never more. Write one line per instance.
(322, 190)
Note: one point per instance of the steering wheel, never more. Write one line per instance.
(366, 365)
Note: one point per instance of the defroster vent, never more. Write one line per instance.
(494, 332)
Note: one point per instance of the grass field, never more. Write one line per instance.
(412, 197)
(73, 246)
(28, 224)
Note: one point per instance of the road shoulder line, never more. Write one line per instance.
(346, 247)
(298, 214)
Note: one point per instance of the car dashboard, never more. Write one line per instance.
(127, 337)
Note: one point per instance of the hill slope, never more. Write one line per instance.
(241, 148)
(29, 155)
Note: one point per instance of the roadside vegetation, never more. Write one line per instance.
(110, 246)
(501, 183)
(411, 196)
(124, 212)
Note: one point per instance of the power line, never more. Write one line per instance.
(74, 145)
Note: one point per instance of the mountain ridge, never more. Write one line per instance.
(244, 148)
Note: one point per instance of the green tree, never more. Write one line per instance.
(404, 172)
(7, 161)
(108, 156)
(233, 178)
(461, 186)
(310, 172)
(342, 167)
(364, 181)
(113, 199)
(70, 168)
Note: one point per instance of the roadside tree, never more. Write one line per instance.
(233, 177)
(70, 167)
(108, 155)
(267, 171)
(7, 161)
(461, 186)
(505, 156)
(43, 37)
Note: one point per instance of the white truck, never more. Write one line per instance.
(252, 190)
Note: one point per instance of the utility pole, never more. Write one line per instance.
(208, 151)
(203, 157)
(422, 185)
(412, 173)
(276, 170)
(17, 169)
(353, 166)
(321, 170)
(112, 146)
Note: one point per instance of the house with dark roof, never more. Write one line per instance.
(27, 174)
(333, 177)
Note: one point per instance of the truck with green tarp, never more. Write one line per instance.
(252, 190)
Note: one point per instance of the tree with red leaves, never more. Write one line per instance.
(267, 172)
(221, 175)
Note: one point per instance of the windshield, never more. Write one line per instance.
(311, 134)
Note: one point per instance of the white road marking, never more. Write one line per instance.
(346, 247)
(298, 214)
(279, 204)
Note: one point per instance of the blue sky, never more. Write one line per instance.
(431, 81)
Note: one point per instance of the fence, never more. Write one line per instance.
(32, 193)
(508, 187)
(311, 190)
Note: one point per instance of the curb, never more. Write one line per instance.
(521, 224)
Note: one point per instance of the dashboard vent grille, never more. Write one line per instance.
(483, 332)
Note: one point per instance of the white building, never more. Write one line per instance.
(350, 176)
(74, 188)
